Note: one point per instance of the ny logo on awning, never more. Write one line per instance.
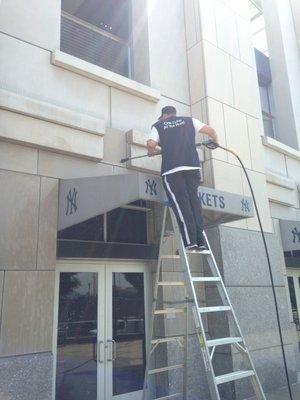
(245, 205)
(296, 235)
(71, 202)
(151, 187)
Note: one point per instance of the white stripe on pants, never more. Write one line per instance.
(187, 238)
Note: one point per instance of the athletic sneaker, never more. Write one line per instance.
(203, 249)
(193, 248)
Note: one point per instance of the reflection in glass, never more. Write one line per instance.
(76, 370)
(128, 332)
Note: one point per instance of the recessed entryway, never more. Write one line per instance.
(100, 330)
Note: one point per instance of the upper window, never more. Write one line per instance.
(267, 109)
(98, 31)
(260, 43)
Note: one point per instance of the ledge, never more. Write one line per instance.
(280, 147)
(279, 180)
(38, 124)
(105, 76)
(41, 110)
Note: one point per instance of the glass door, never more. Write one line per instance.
(100, 337)
(293, 277)
(125, 331)
(80, 335)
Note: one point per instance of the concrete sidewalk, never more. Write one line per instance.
(283, 394)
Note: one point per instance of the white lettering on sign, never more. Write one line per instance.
(173, 124)
(212, 200)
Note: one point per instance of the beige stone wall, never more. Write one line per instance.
(224, 89)
(28, 214)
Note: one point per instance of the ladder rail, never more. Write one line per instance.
(154, 302)
(211, 260)
(207, 347)
(198, 320)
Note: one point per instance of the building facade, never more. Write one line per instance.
(81, 83)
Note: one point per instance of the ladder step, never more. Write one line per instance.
(213, 309)
(169, 311)
(175, 283)
(170, 257)
(170, 396)
(206, 279)
(164, 369)
(223, 341)
(233, 376)
(167, 339)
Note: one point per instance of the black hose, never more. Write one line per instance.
(269, 265)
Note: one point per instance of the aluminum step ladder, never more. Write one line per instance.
(207, 346)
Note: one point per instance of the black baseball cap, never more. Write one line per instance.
(168, 110)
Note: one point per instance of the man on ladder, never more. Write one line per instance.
(181, 171)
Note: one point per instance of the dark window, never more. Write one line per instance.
(99, 32)
(267, 109)
(91, 229)
(121, 233)
(127, 226)
(266, 93)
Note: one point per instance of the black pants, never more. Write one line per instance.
(182, 190)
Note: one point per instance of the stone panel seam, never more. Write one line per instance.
(197, 14)
(234, 165)
(110, 106)
(37, 161)
(35, 270)
(2, 301)
(225, 52)
(55, 177)
(248, 135)
(254, 286)
(270, 347)
(257, 232)
(38, 222)
(231, 106)
(24, 41)
(226, 4)
(248, 169)
(238, 37)
(26, 354)
(187, 58)
(215, 23)
(232, 87)
(225, 133)
(177, 101)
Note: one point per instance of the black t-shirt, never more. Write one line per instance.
(177, 141)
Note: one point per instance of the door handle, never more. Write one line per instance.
(100, 354)
(113, 351)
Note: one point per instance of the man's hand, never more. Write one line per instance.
(151, 147)
(210, 144)
(209, 131)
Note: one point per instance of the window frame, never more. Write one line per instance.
(264, 113)
(128, 43)
(144, 209)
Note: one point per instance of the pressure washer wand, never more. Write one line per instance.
(208, 143)
(136, 157)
